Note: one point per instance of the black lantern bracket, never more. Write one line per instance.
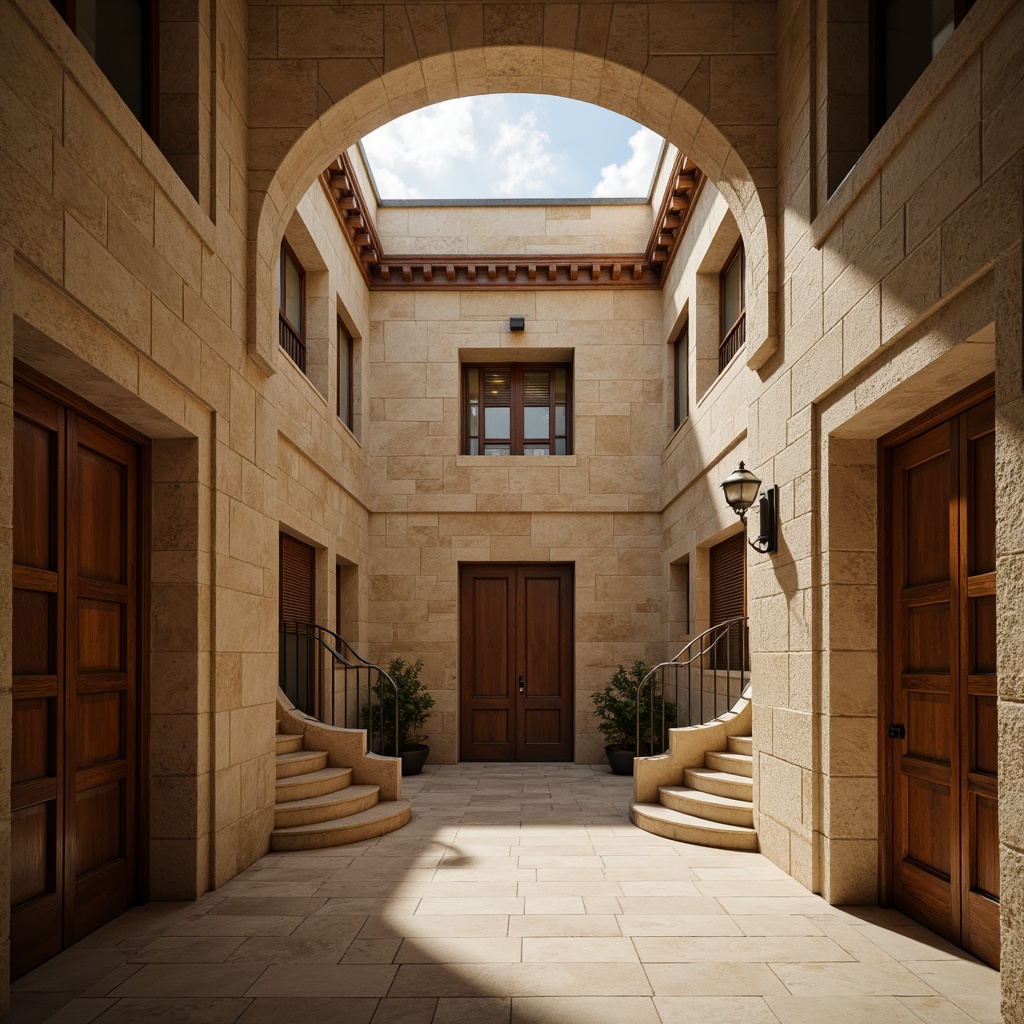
(741, 490)
(767, 542)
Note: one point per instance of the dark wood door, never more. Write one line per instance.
(942, 685)
(516, 662)
(76, 618)
(298, 577)
(727, 568)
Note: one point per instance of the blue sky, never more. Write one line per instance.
(512, 146)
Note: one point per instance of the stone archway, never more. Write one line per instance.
(323, 77)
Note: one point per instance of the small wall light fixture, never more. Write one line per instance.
(741, 487)
(517, 323)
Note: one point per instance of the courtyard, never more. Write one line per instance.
(518, 893)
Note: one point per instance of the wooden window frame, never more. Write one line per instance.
(516, 406)
(68, 10)
(290, 339)
(876, 59)
(681, 385)
(347, 391)
(732, 337)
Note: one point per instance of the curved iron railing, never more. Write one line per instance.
(719, 654)
(325, 677)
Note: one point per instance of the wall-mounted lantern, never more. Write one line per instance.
(741, 487)
(517, 323)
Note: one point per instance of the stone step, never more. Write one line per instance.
(327, 806)
(287, 743)
(722, 809)
(726, 761)
(741, 745)
(707, 780)
(304, 787)
(300, 762)
(685, 828)
(385, 816)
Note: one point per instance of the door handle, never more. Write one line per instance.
(522, 684)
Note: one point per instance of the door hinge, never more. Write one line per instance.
(897, 732)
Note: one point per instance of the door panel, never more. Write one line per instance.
(75, 778)
(545, 659)
(942, 628)
(515, 663)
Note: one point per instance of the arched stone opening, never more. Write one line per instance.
(307, 106)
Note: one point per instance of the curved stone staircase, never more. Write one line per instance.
(713, 806)
(318, 804)
(701, 791)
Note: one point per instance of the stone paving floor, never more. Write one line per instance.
(518, 894)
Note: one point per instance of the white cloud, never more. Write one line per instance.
(391, 184)
(525, 160)
(427, 142)
(633, 177)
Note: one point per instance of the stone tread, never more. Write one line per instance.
(727, 761)
(325, 807)
(741, 745)
(687, 828)
(302, 787)
(287, 743)
(707, 780)
(383, 817)
(723, 809)
(299, 762)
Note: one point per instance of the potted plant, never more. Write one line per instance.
(616, 707)
(414, 707)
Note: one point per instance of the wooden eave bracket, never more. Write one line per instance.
(642, 270)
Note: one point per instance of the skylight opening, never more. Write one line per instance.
(512, 146)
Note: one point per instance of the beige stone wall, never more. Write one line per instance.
(865, 306)
(436, 508)
(512, 229)
(120, 286)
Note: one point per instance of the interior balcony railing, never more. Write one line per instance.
(704, 680)
(292, 343)
(325, 677)
(732, 342)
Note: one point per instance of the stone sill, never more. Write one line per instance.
(968, 37)
(506, 461)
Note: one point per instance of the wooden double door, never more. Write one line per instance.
(941, 730)
(516, 662)
(76, 781)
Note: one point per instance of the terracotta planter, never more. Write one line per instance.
(620, 761)
(414, 759)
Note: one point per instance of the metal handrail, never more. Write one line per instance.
(307, 670)
(715, 646)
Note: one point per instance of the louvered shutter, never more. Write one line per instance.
(298, 565)
(728, 589)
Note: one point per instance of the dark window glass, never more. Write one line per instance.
(909, 35)
(292, 330)
(680, 359)
(118, 35)
(345, 346)
(516, 410)
(733, 309)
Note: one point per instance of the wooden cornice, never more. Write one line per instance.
(524, 270)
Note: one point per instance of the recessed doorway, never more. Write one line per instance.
(939, 728)
(516, 662)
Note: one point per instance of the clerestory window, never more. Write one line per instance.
(120, 36)
(517, 410)
(908, 35)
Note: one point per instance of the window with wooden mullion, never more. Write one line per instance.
(516, 410)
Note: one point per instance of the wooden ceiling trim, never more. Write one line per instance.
(590, 270)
